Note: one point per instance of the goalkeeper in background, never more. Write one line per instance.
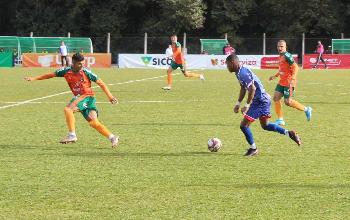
(178, 61)
(79, 81)
(287, 72)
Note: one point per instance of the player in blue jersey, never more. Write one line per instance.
(257, 105)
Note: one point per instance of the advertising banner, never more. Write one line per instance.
(333, 61)
(92, 60)
(160, 61)
(272, 62)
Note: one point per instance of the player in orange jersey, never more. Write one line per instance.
(178, 61)
(287, 72)
(79, 81)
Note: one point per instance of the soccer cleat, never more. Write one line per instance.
(115, 141)
(280, 122)
(251, 152)
(201, 77)
(166, 88)
(69, 139)
(308, 113)
(295, 137)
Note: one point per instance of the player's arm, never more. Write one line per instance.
(105, 89)
(42, 77)
(294, 69)
(240, 99)
(274, 76)
(251, 92)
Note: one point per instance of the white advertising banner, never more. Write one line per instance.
(160, 61)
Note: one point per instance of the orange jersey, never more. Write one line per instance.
(287, 69)
(80, 82)
(177, 54)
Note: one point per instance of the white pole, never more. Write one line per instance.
(145, 44)
(31, 34)
(225, 36)
(264, 43)
(342, 35)
(108, 42)
(185, 48)
(68, 35)
(303, 49)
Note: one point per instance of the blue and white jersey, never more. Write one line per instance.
(246, 78)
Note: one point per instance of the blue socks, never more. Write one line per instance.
(275, 128)
(248, 134)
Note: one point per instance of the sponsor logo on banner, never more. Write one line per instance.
(333, 61)
(54, 60)
(156, 61)
(272, 62)
(146, 60)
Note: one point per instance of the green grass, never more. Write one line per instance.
(162, 168)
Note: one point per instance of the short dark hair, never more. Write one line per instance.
(232, 57)
(77, 57)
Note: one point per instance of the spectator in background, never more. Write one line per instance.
(169, 52)
(64, 53)
(204, 52)
(320, 50)
(2, 50)
(228, 49)
(81, 50)
(15, 56)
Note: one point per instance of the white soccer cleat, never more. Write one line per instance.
(166, 88)
(201, 77)
(69, 139)
(115, 141)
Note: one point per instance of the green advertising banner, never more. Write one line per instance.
(6, 59)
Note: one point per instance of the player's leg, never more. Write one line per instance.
(264, 122)
(277, 96)
(70, 120)
(169, 76)
(62, 63)
(244, 126)
(189, 74)
(323, 61)
(96, 124)
(295, 104)
(66, 59)
(317, 61)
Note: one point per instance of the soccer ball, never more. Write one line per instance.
(214, 144)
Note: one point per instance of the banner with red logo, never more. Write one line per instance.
(54, 60)
(272, 62)
(333, 61)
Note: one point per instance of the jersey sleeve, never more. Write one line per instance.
(178, 44)
(289, 58)
(92, 76)
(61, 72)
(246, 79)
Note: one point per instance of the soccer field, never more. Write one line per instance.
(162, 168)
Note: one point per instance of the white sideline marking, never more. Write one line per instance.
(61, 93)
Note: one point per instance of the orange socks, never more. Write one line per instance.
(100, 127)
(278, 109)
(70, 120)
(192, 75)
(297, 105)
(170, 79)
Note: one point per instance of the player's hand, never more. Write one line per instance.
(244, 109)
(236, 109)
(28, 78)
(272, 78)
(114, 100)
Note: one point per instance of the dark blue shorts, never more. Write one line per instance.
(259, 109)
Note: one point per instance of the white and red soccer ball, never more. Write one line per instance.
(214, 144)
